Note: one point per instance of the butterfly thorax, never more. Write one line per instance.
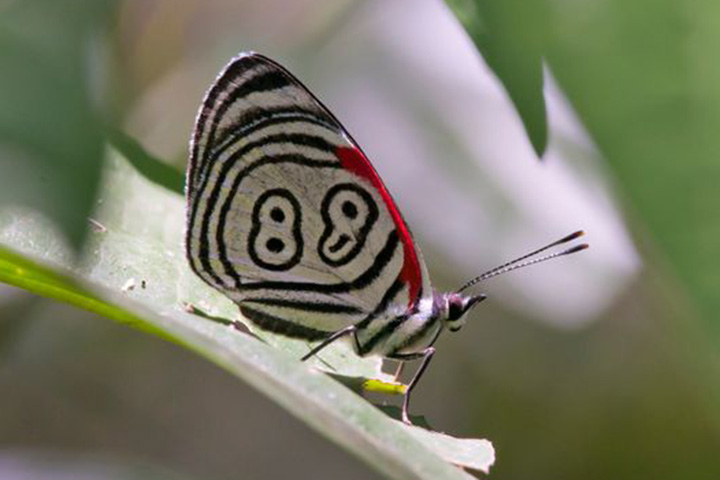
(403, 333)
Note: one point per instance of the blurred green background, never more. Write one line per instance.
(603, 365)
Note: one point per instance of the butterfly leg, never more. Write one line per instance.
(351, 330)
(426, 356)
(399, 370)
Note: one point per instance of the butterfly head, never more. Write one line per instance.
(456, 306)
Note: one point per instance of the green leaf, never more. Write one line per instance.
(641, 76)
(506, 34)
(644, 78)
(134, 272)
(49, 130)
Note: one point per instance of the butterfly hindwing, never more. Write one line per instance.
(286, 215)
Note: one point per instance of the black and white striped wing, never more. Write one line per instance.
(285, 214)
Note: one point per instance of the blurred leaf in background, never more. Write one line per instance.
(507, 39)
(51, 139)
(644, 79)
(642, 76)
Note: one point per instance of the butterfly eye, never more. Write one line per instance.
(454, 311)
(349, 213)
(275, 241)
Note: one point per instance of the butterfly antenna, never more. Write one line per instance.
(520, 263)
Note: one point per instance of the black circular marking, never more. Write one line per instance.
(274, 244)
(360, 236)
(349, 209)
(277, 215)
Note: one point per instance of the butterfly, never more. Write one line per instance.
(289, 219)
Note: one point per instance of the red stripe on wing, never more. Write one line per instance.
(353, 160)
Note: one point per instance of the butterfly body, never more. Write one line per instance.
(289, 219)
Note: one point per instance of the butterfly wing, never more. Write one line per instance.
(285, 213)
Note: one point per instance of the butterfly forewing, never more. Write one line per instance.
(286, 215)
